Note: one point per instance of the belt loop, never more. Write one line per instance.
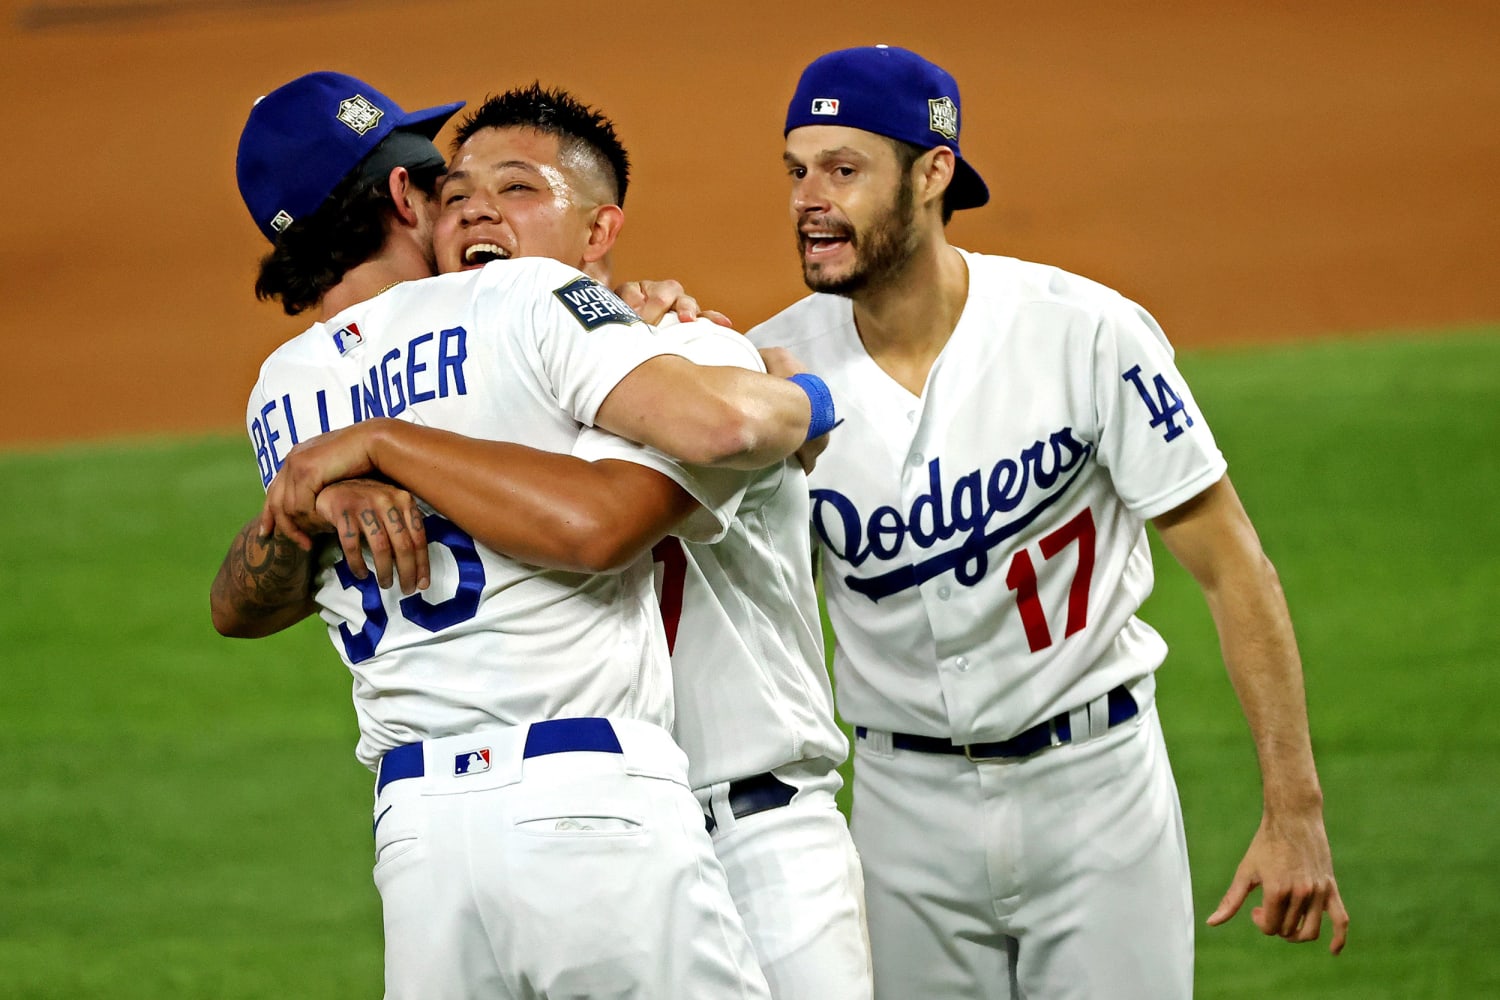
(879, 742)
(1099, 716)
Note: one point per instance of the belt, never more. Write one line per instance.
(749, 796)
(1055, 731)
(542, 738)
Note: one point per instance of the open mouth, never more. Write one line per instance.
(481, 254)
(820, 243)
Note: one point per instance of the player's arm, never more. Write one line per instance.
(536, 506)
(263, 585)
(715, 415)
(1289, 858)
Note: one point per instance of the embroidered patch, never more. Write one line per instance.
(942, 117)
(473, 762)
(281, 220)
(359, 114)
(593, 305)
(347, 338)
(825, 106)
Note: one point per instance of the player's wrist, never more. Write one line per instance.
(823, 418)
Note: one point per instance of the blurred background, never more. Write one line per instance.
(1305, 195)
(1245, 170)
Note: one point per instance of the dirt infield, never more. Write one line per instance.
(1245, 171)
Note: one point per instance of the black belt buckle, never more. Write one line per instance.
(1044, 735)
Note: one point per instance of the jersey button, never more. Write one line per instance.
(944, 593)
(916, 458)
(961, 664)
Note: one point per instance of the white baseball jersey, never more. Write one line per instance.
(521, 351)
(984, 546)
(741, 612)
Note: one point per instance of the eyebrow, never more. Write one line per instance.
(824, 155)
(502, 165)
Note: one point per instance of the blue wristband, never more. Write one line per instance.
(823, 419)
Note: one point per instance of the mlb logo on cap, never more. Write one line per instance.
(825, 106)
(472, 762)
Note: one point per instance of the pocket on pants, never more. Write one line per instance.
(396, 829)
(579, 826)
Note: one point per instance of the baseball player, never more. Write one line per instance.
(1009, 430)
(754, 708)
(535, 832)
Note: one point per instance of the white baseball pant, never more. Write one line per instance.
(1060, 876)
(795, 878)
(568, 873)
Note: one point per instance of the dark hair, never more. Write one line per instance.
(556, 112)
(313, 254)
(906, 155)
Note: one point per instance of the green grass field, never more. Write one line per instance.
(181, 815)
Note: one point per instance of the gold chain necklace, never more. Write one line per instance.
(389, 287)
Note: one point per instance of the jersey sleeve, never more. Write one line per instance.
(718, 491)
(704, 342)
(586, 338)
(1153, 439)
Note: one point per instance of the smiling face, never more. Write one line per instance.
(852, 204)
(517, 192)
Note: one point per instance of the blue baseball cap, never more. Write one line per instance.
(892, 92)
(305, 137)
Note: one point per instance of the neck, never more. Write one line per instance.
(599, 269)
(912, 315)
(393, 264)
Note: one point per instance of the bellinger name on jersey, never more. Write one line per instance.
(429, 366)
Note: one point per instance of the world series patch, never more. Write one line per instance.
(942, 117)
(593, 305)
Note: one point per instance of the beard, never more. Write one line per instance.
(881, 251)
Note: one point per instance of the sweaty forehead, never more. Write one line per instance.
(490, 147)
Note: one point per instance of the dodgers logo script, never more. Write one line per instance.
(1023, 487)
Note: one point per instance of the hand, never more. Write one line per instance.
(652, 300)
(807, 455)
(784, 364)
(1292, 864)
(781, 362)
(291, 500)
(387, 520)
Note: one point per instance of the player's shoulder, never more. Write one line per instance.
(813, 322)
(1052, 301)
(991, 275)
(309, 347)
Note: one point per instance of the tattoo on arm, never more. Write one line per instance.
(261, 576)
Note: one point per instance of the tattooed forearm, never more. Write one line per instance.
(263, 585)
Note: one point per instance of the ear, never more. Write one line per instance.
(403, 194)
(935, 172)
(604, 229)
